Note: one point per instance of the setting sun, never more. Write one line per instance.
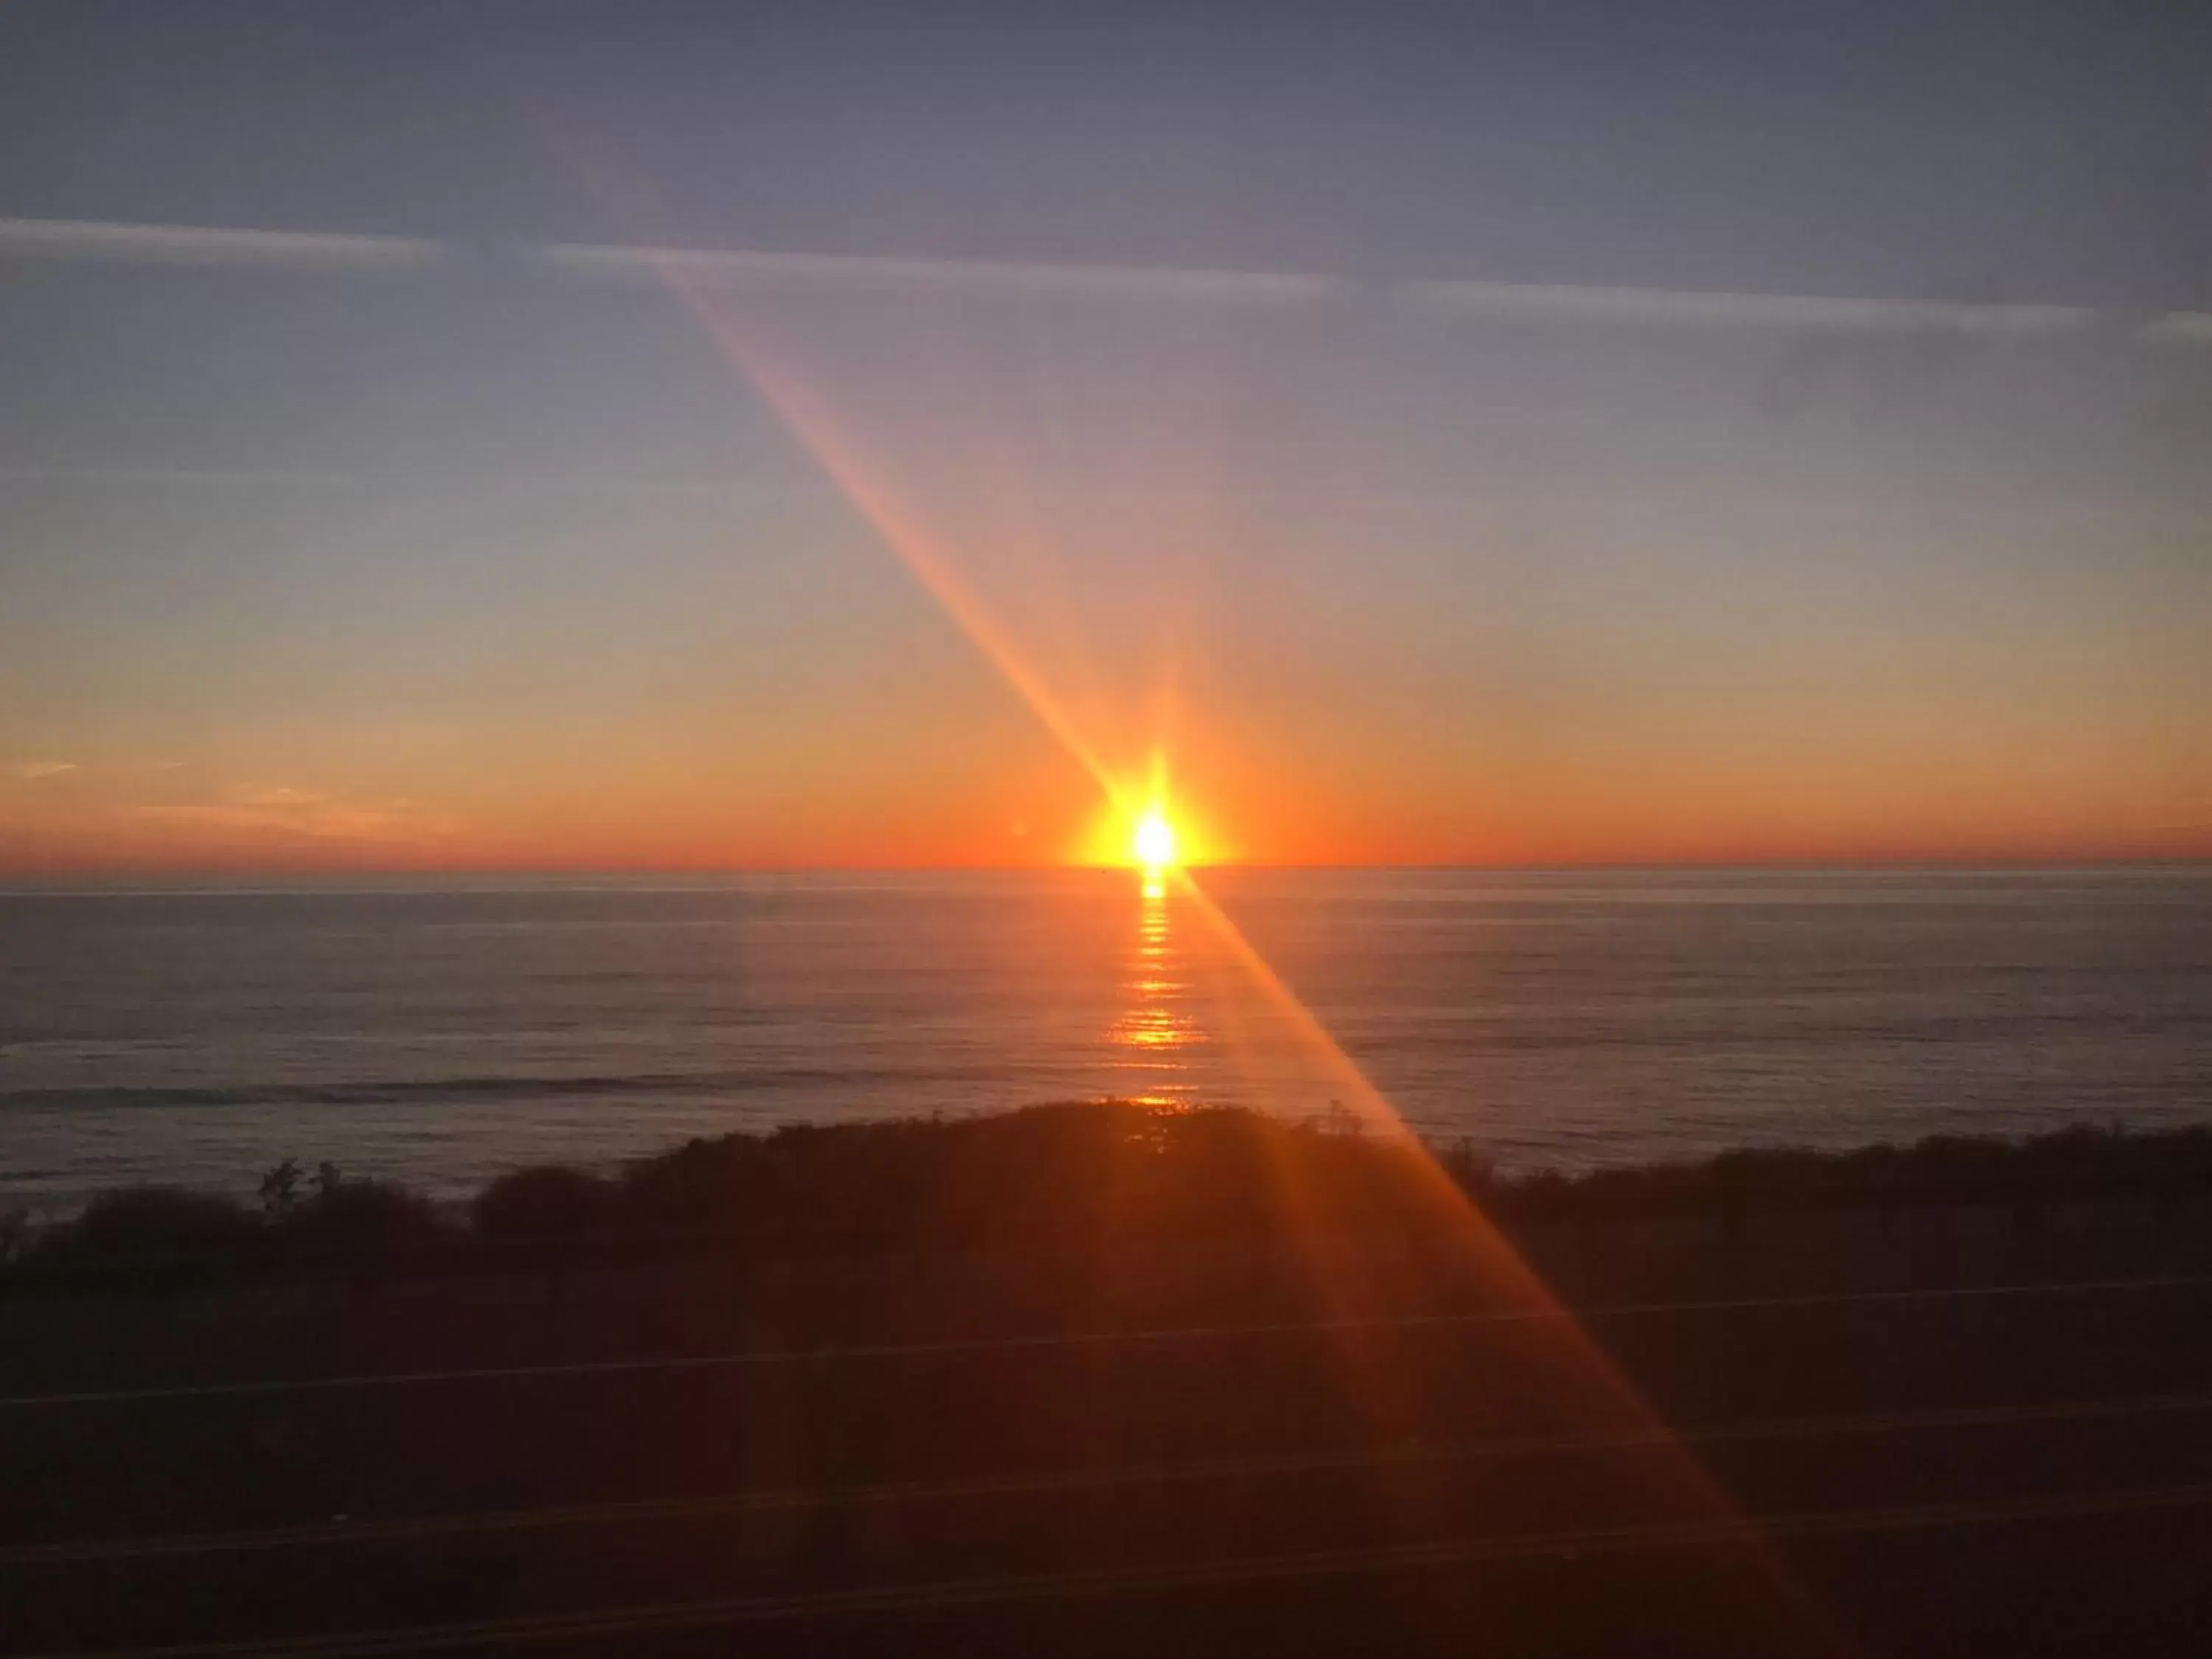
(1154, 841)
(1140, 828)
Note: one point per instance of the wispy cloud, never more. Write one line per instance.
(129, 243)
(36, 771)
(278, 795)
(209, 245)
(281, 811)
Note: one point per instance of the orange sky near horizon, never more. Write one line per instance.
(1486, 600)
(1028, 806)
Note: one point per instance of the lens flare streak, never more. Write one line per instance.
(1579, 1372)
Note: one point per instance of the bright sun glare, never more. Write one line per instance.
(1155, 840)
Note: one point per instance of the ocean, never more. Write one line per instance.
(441, 1031)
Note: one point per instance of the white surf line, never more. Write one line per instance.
(705, 1615)
(551, 1517)
(1143, 1336)
(118, 242)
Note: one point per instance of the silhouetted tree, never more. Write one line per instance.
(279, 1189)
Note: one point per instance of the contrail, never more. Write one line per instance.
(1441, 299)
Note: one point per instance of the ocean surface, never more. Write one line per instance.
(443, 1032)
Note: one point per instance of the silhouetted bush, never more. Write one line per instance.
(358, 1220)
(548, 1201)
(278, 1190)
(1048, 1181)
(155, 1231)
(1046, 1178)
(2082, 1160)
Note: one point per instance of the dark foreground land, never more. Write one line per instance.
(1095, 1380)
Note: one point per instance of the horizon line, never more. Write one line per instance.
(17, 882)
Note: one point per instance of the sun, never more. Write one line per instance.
(1141, 826)
(1153, 841)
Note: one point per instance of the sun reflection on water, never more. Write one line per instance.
(1155, 1025)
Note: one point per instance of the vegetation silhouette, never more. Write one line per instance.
(1073, 1180)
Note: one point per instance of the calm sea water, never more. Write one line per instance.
(442, 1033)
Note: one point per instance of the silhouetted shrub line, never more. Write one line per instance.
(1040, 1183)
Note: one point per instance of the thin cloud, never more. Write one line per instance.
(160, 477)
(282, 812)
(252, 479)
(33, 771)
(1443, 299)
(1805, 314)
(739, 268)
(208, 245)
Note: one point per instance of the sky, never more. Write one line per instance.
(561, 437)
